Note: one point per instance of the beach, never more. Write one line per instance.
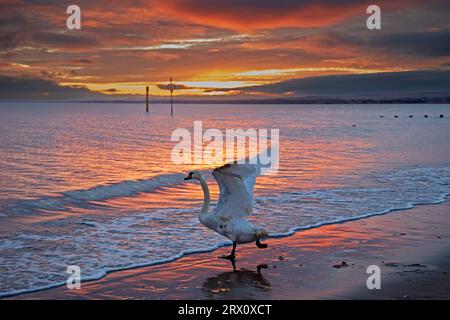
(411, 248)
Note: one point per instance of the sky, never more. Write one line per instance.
(222, 48)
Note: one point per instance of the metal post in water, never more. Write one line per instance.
(146, 100)
(171, 88)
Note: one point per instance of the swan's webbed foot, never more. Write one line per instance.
(232, 255)
(261, 245)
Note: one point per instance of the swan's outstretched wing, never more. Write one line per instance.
(236, 183)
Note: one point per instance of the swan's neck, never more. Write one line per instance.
(207, 199)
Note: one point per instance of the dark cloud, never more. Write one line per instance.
(52, 75)
(36, 89)
(83, 61)
(14, 31)
(431, 43)
(377, 83)
(26, 25)
(67, 40)
(111, 90)
(41, 2)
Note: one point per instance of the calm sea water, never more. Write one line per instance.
(93, 185)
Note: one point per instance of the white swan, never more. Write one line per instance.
(236, 183)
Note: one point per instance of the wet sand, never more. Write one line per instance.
(411, 247)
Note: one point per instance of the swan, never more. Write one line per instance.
(236, 183)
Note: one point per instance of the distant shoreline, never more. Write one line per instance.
(423, 100)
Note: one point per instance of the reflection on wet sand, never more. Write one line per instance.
(236, 284)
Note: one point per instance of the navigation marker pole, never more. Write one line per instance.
(146, 101)
(171, 88)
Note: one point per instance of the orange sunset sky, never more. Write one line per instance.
(252, 48)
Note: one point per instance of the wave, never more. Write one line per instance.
(38, 261)
(99, 193)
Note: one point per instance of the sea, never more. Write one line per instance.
(94, 184)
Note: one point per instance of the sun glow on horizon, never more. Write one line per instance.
(218, 82)
(189, 87)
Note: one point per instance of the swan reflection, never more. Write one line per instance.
(236, 284)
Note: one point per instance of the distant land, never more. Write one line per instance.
(291, 100)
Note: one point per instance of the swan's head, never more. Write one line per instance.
(196, 175)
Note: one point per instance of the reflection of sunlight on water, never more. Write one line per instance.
(62, 152)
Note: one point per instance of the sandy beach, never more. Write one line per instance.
(411, 248)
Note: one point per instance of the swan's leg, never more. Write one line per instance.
(260, 245)
(232, 255)
(233, 251)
